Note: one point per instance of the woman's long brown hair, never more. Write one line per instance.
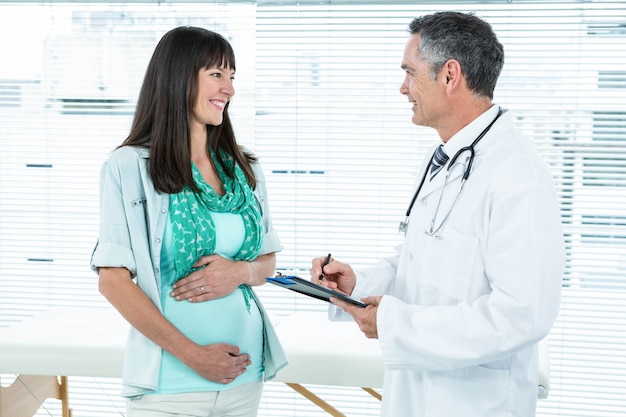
(168, 93)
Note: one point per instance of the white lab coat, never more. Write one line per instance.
(463, 312)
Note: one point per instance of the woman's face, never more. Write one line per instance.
(215, 89)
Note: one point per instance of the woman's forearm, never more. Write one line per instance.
(116, 286)
(259, 269)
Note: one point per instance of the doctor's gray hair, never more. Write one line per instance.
(465, 38)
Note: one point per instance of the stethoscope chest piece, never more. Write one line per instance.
(404, 225)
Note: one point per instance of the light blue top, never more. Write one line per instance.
(133, 216)
(224, 320)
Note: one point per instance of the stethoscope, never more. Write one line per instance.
(434, 229)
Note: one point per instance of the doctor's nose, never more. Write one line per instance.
(404, 87)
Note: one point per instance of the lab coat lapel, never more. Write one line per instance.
(436, 183)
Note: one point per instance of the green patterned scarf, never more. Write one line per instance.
(193, 226)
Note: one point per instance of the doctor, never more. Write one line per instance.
(460, 307)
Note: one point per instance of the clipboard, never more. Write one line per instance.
(311, 289)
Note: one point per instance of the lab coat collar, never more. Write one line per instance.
(463, 137)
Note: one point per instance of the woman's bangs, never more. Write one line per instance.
(219, 54)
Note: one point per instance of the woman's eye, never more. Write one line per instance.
(216, 75)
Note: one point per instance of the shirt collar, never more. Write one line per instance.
(466, 136)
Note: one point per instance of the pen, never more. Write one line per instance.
(326, 261)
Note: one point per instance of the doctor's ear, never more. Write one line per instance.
(452, 72)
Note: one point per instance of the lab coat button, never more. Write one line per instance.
(424, 201)
(410, 256)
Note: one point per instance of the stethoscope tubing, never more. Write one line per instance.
(433, 230)
(466, 173)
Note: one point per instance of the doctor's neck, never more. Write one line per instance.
(461, 114)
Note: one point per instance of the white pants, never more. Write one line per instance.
(242, 401)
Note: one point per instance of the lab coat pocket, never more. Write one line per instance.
(479, 385)
(448, 261)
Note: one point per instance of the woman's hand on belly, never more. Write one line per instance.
(218, 362)
(218, 278)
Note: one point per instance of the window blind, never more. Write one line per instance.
(346, 152)
(318, 100)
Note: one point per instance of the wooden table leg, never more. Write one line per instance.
(64, 396)
(373, 393)
(28, 392)
(314, 399)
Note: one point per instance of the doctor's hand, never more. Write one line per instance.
(337, 275)
(365, 317)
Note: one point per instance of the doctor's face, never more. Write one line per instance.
(423, 92)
